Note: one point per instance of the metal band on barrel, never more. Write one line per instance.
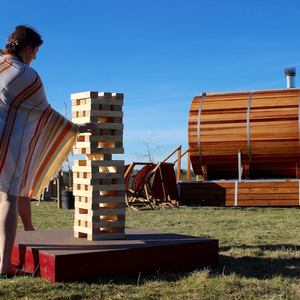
(199, 122)
(299, 119)
(248, 129)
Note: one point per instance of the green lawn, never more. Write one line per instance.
(259, 257)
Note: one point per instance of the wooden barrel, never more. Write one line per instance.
(263, 125)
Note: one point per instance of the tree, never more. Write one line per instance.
(151, 149)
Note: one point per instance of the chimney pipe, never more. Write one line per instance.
(290, 74)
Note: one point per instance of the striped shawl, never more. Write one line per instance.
(34, 138)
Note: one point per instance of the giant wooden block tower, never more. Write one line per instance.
(98, 181)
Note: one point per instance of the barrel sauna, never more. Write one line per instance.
(263, 125)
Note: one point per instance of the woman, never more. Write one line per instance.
(34, 138)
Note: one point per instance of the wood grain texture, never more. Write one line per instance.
(98, 181)
(252, 193)
(270, 130)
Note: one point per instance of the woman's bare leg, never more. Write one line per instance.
(8, 230)
(25, 213)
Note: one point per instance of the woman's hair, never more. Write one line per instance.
(22, 36)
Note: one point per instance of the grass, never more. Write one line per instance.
(259, 257)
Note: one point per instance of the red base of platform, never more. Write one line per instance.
(57, 256)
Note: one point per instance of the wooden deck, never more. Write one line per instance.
(243, 193)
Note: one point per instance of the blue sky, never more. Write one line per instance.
(159, 53)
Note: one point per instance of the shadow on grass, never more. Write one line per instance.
(281, 262)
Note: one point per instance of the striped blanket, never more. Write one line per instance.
(34, 138)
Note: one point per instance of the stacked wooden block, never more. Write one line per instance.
(98, 181)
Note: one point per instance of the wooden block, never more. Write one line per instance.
(97, 221)
(97, 119)
(84, 95)
(100, 101)
(100, 187)
(96, 206)
(101, 138)
(78, 234)
(101, 142)
(83, 193)
(99, 163)
(104, 95)
(95, 188)
(99, 178)
(109, 224)
(117, 126)
(83, 229)
(99, 157)
(85, 169)
(107, 236)
(117, 96)
(96, 194)
(81, 107)
(81, 114)
(109, 212)
(83, 144)
(89, 105)
(117, 108)
(107, 114)
(108, 144)
(98, 150)
(100, 132)
(105, 168)
(98, 216)
(97, 200)
(85, 120)
(110, 120)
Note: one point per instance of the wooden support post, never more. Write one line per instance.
(98, 181)
(204, 168)
(247, 171)
(297, 171)
(188, 169)
(179, 164)
(240, 165)
(59, 184)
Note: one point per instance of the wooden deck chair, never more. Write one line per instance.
(138, 192)
(164, 186)
(127, 175)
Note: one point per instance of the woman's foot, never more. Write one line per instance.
(30, 228)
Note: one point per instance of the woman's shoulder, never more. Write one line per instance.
(18, 72)
(8, 58)
(14, 62)
(22, 67)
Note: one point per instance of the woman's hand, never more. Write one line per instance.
(87, 127)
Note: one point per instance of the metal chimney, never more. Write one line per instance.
(290, 74)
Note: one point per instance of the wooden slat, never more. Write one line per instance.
(261, 193)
